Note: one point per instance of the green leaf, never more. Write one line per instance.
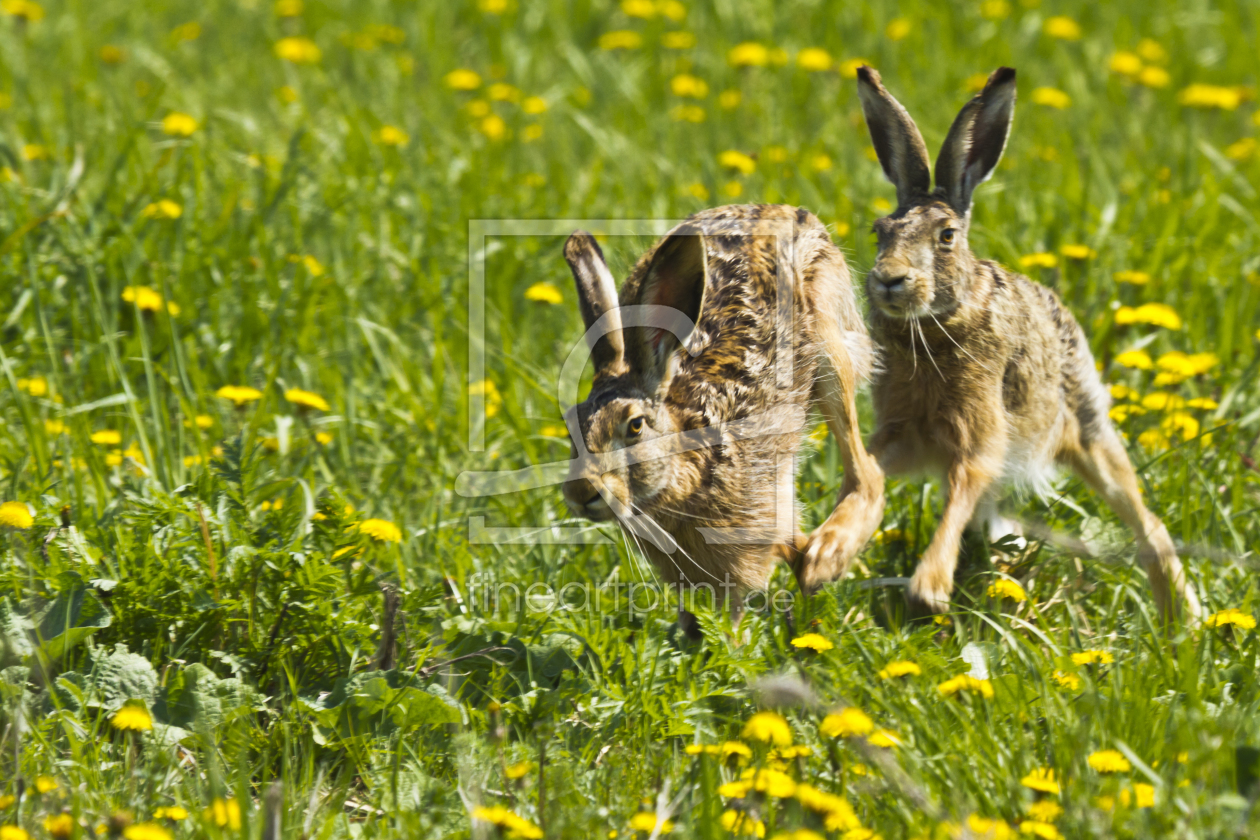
(117, 677)
(75, 614)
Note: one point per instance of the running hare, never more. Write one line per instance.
(986, 378)
(727, 330)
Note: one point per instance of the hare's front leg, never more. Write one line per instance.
(968, 478)
(860, 507)
(1105, 466)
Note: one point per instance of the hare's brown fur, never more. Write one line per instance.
(726, 373)
(987, 380)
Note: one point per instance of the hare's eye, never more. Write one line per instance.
(947, 236)
(635, 426)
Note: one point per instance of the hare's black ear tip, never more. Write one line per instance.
(868, 74)
(578, 243)
(1002, 76)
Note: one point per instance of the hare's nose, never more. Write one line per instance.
(580, 492)
(891, 282)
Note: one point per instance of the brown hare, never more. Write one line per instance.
(726, 331)
(986, 379)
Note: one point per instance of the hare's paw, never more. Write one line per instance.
(833, 545)
(930, 589)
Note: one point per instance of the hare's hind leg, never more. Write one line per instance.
(860, 508)
(1105, 466)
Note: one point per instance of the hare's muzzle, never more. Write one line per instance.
(585, 500)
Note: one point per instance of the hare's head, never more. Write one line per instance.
(924, 266)
(624, 434)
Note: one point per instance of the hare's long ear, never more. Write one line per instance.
(897, 141)
(976, 140)
(675, 279)
(597, 297)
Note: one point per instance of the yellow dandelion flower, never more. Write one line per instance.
(178, 124)
(55, 427)
(748, 54)
(821, 162)
(885, 738)
(224, 812)
(1120, 391)
(1203, 403)
(12, 832)
(1038, 260)
(34, 152)
(462, 79)
(1125, 63)
(1133, 278)
(776, 783)
(685, 84)
(768, 727)
(966, 682)
(6, 800)
(1162, 401)
(687, 113)
(390, 135)
(518, 770)
(1063, 28)
(1210, 96)
(989, 829)
(288, 8)
(544, 292)
(1243, 150)
(381, 530)
(1037, 828)
(849, 67)
(647, 821)
(146, 831)
(814, 642)
(238, 394)
(1152, 50)
(493, 127)
(732, 159)
(1187, 365)
(1078, 252)
(1042, 779)
(1045, 810)
(1050, 97)
(201, 421)
(145, 298)
(503, 92)
(44, 784)
(297, 50)
(1093, 657)
(107, 437)
(163, 208)
(814, 59)
(1004, 588)
(730, 99)
(827, 803)
(306, 399)
(897, 29)
(1109, 761)
(534, 105)
(645, 9)
(132, 718)
(1138, 359)
(1067, 679)
(995, 9)
(1232, 616)
(678, 40)
(26, 10)
(489, 392)
(190, 31)
(1157, 314)
(110, 54)
(738, 823)
(901, 668)
(1154, 77)
(59, 825)
(621, 39)
(734, 790)
(672, 9)
(36, 386)
(846, 723)
(1122, 413)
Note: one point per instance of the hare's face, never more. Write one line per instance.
(625, 454)
(921, 261)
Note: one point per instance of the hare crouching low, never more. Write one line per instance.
(726, 332)
(987, 379)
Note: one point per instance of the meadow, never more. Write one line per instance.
(247, 353)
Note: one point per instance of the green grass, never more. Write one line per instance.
(252, 632)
